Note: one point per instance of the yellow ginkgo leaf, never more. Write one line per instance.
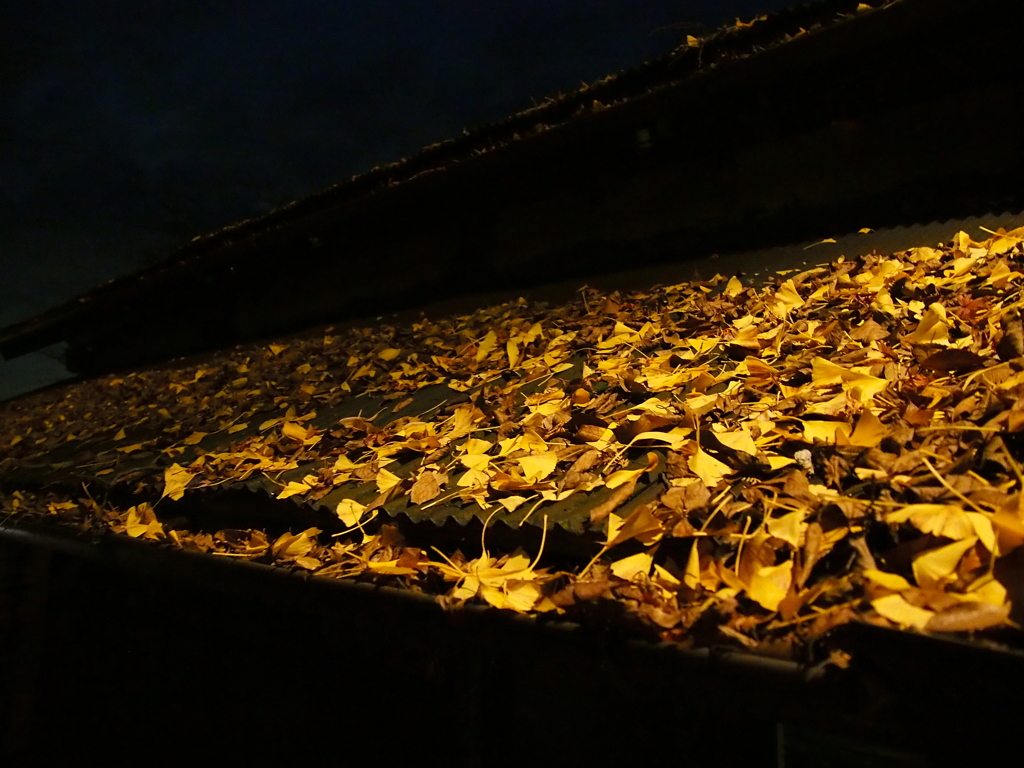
(988, 589)
(790, 528)
(786, 299)
(512, 349)
(345, 464)
(141, 522)
(708, 468)
(691, 576)
(770, 584)
(932, 328)
(471, 478)
(291, 545)
(176, 478)
(389, 354)
(294, 489)
(294, 430)
(934, 566)
(860, 385)
(523, 595)
(894, 608)
(512, 503)
(538, 466)
(891, 581)
(350, 512)
(486, 345)
(869, 431)
(477, 461)
(733, 288)
(386, 480)
(389, 568)
(628, 568)
(623, 476)
(738, 439)
(675, 439)
(641, 525)
(948, 520)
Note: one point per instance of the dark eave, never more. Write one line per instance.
(865, 120)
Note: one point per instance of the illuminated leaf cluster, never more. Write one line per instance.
(841, 443)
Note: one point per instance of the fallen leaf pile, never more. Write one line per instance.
(751, 464)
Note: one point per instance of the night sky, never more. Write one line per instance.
(126, 129)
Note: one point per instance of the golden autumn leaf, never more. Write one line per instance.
(386, 480)
(294, 430)
(512, 503)
(744, 24)
(891, 581)
(291, 545)
(641, 525)
(733, 288)
(868, 432)
(934, 566)
(896, 609)
(821, 242)
(738, 439)
(623, 476)
(390, 568)
(770, 584)
(708, 468)
(830, 432)
(141, 522)
(538, 466)
(628, 568)
(675, 438)
(949, 520)
(858, 383)
(350, 512)
(691, 576)
(786, 300)
(512, 349)
(932, 329)
(294, 488)
(486, 345)
(176, 478)
(987, 589)
(790, 528)
(500, 585)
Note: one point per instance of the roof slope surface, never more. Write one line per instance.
(725, 460)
